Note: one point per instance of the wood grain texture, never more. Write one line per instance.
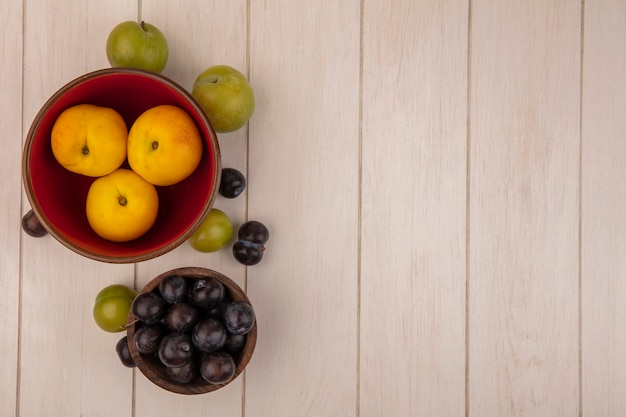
(10, 192)
(524, 208)
(603, 208)
(199, 36)
(445, 204)
(413, 206)
(65, 359)
(303, 170)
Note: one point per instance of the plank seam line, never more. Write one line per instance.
(133, 383)
(580, 210)
(359, 211)
(467, 205)
(18, 370)
(246, 170)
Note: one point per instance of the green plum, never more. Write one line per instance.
(137, 45)
(214, 233)
(226, 97)
(111, 307)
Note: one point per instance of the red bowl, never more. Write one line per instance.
(58, 196)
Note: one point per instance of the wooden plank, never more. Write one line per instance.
(524, 208)
(10, 107)
(66, 360)
(413, 208)
(603, 208)
(545, 336)
(303, 174)
(200, 35)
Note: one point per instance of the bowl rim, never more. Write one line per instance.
(52, 230)
(237, 293)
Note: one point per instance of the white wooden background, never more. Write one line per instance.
(445, 184)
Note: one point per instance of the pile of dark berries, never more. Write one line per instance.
(192, 327)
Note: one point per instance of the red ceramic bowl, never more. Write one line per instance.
(58, 196)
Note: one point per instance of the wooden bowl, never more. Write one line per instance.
(150, 365)
(58, 196)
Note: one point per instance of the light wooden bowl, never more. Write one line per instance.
(151, 367)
